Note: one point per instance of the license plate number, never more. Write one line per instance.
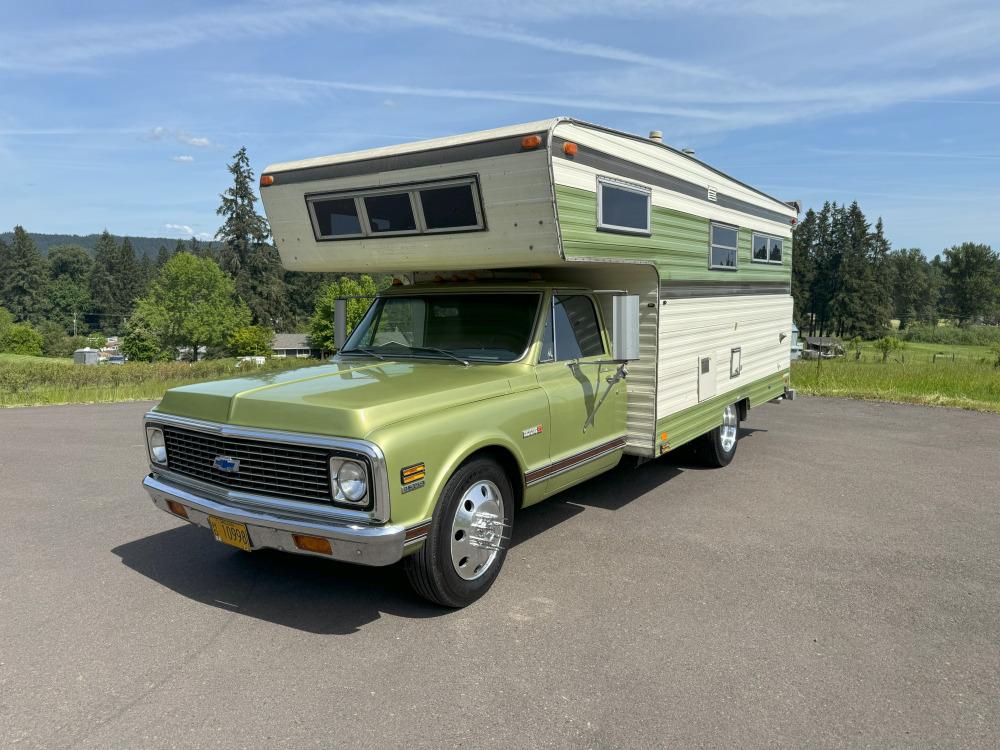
(230, 532)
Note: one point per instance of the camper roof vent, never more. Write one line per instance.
(688, 151)
(656, 135)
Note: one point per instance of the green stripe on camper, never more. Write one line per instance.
(678, 244)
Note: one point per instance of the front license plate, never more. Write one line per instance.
(230, 532)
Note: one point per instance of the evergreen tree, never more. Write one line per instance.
(804, 268)
(162, 256)
(129, 280)
(245, 253)
(914, 293)
(880, 304)
(24, 278)
(69, 292)
(102, 280)
(972, 281)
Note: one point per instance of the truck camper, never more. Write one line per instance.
(563, 295)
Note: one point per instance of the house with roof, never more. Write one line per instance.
(293, 345)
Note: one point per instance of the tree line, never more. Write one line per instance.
(848, 281)
(228, 295)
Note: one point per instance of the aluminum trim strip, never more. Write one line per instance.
(690, 289)
(506, 146)
(572, 462)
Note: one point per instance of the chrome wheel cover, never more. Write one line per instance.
(477, 531)
(727, 433)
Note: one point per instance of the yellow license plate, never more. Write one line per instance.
(230, 532)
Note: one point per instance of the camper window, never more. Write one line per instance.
(337, 218)
(722, 253)
(622, 207)
(760, 245)
(775, 256)
(426, 208)
(452, 207)
(390, 212)
(766, 249)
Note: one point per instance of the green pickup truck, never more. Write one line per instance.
(536, 333)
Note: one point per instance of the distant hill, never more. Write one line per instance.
(143, 245)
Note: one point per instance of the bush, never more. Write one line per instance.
(21, 338)
(55, 342)
(251, 341)
(969, 336)
(887, 345)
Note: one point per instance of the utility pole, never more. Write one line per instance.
(74, 323)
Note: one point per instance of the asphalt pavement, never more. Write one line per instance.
(837, 585)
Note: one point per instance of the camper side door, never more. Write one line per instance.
(582, 425)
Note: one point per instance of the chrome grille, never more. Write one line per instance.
(296, 472)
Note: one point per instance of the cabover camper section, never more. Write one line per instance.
(568, 202)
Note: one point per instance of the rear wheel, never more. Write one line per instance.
(720, 443)
(467, 544)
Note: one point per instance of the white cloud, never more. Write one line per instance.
(181, 229)
(161, 133)
(183, 159)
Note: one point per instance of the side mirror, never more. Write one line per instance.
(625, 327)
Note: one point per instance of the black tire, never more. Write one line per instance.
(431, 571)
(716, 450)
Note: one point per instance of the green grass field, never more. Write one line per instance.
(961, 376)
(34, 381)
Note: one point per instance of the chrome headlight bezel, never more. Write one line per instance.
(345, 491)
(156, 445)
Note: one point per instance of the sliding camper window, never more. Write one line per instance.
(766, 249)
(452, 205)
(623, 207)
(722, 252)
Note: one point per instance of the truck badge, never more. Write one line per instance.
(226, 464)
(536, 430)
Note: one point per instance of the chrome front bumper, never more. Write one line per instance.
(350, 542)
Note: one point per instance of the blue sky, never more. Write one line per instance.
(118, 115)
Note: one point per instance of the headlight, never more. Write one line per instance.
(157, 447)
(348, 480)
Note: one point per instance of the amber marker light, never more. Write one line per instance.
(531, 141)
(312, 544)
(570, 148)
(177, 509)
(266, 179)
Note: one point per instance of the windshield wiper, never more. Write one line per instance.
(445, 352)
(362, 350)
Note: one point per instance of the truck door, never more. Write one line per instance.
(586, 434)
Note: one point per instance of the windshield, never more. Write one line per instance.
(483, 327)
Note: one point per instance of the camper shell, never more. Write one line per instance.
(708, 300)
(563, 295)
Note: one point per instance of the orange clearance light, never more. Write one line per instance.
(266, 179)
(531, 141)
(663, 436)
(312, 544)
(569, 148)
(177, 509)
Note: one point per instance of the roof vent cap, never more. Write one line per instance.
(656, 135)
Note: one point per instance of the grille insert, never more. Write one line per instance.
(282, 470)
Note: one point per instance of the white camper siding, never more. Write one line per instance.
(641, 381)
(713, 326)
(649, 154)
(517, 204)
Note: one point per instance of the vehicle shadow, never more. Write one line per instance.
(331, 598)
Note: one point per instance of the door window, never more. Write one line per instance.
(577, 333)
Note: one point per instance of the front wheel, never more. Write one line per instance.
(467, 544)
(720, 443)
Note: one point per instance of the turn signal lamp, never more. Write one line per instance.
(569, 148)
(531, 141)
(177, 509)
(313, 544)
(266, 179)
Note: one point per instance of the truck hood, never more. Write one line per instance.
(345, 398)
